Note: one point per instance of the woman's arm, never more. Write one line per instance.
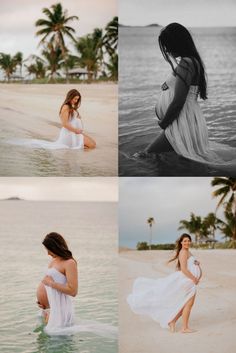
(71, 273)
(185, 69)
(65, 121)
(183, 259)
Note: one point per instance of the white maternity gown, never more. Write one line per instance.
(67, 139)
(188, 134)
(163, 298)
(61, 313)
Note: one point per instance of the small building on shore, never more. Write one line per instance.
(79, 72)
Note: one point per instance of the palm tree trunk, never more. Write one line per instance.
(150, 240)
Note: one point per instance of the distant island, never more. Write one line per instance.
(151, 25)
(13, 198)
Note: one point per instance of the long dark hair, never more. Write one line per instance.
(176, 41)
(55, 243)
(178, 247)
(70, 95)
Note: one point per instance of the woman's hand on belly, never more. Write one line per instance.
(48, 281)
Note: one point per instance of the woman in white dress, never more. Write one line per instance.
(55, 292)
(72, 132)
(167, 299)
(178, 112)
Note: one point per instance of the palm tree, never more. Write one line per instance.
(54, 58)
(112, 67)
(193, 226)
(90, 52)
(226, 190)
(228, 227)
(211, 223)
(150, 222)
(9, 64)
(110, 39)
(56, 26)
(37, 68)
(19, 59)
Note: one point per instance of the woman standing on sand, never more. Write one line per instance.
(178, 112)
(59, 285)
(71, 134)
(165, 300)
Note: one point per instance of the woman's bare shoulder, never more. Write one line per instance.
(65, 107)
(70, 263)
(183, 253)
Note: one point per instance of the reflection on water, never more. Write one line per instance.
(142, 70)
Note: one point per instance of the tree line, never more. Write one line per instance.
(96, 51)
(203, 229)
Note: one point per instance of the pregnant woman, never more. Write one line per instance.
(178, 112)
(71, 135)
(167, 299)
(55, 292)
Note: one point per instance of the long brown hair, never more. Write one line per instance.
(176, 39)
(55, 243)
(178, 247)
(70, 95)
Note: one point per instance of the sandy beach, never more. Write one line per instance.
(31, 111)
(213, 315)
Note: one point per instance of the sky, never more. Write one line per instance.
(60, 189)
(190, 13)
(17, 19)
(168, 200)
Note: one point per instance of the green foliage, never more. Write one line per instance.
(9, 63)
(145, 246)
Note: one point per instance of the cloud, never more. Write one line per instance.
(17, 20)
(168, 200)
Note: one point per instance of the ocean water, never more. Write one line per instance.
(38, 162)
(91, 232)
(142, 70)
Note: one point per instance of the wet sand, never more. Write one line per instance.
(31, 111)
(213, 314)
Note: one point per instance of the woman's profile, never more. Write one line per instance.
(178, 112)
(167, 299)
(72, 132)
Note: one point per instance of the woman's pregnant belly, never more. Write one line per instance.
(42, 296)
(195, 270)
(163, 101)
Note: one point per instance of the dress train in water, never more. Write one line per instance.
(61, 314)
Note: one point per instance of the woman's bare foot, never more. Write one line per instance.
(187, 330)
(172, 326)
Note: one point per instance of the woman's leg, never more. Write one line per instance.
(89, 142)
(173, 322)
(159, 145)
(185, 315)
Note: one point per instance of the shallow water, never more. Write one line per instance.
(91, 231)
(142, 70)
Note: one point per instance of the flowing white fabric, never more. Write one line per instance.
(66, 139)
(61, 313)
(188, 134)
(163, 298)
